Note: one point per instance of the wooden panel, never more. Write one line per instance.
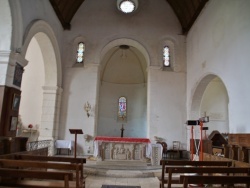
(7, 111)
(3, 93)
(65, 10)
(187, 11)
(12, 144)
(239, 139)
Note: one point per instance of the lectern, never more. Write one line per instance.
(75, 132)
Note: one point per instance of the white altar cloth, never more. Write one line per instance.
(63, 144)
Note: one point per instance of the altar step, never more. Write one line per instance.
(121, 169)
(121, 163)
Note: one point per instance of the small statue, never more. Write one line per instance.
(128, 154)
(115, 152)
(159, 139)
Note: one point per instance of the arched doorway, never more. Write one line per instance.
(42, 82)
(123, 74)
(215, 104)
(211, 98)
(32, 93)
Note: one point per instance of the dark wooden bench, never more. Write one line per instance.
(50, 158)
(34, 178)
(203, 170)
(164, 163)
(81, 161)
(224, 180)
(46, 166)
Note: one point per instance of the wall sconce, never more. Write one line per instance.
(87, 108)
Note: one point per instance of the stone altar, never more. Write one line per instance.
(126, 149)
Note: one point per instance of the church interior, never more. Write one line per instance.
(124, 84)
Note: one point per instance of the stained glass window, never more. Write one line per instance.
(122, 108)
(166, 56)
(80, 52)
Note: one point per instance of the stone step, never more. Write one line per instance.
(122, 173)
(129, 169)
(122, 163)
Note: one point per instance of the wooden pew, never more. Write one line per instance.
(82, 161)
(225, 180)
(50, 158)
(8, 163)
(204, 170)
(163, 180)
(22, 178)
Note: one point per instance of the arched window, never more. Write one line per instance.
(122, 109)
(80, 52)
(166, 56)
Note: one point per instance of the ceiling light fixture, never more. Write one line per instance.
(124, 47)
(127, 6)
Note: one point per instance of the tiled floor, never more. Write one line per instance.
(97, 182)
(144, 176)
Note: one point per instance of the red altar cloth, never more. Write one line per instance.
(123, 139)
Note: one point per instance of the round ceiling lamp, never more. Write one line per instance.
(127, 6)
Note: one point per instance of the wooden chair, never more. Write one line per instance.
(164, 149)
(175, 150)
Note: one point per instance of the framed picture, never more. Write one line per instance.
(16, 102)
(13, 123)
(18, 75)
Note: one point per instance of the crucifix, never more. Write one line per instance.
(122, 129)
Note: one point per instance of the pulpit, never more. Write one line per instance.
(75, 132)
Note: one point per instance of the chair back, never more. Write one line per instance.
(176, 145)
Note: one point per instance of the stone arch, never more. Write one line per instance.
(198, 95)
(47, 42)
(17, 23)
(50, 50)
(126, 88)
(125, 41)
(199, 98)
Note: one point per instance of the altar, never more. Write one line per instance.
(126, 149)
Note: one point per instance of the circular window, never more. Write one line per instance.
(127, 6)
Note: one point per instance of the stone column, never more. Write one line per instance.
(50, 114)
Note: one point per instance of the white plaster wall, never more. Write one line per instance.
(5, 36)
(136, 96)
(32, 11)
(79, 87)
(32, 82)
(6, 25)
(99, 24)
(219, 43)
(167, 116)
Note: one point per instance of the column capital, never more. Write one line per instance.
(52, 89)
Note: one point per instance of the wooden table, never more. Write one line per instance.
(63, 144)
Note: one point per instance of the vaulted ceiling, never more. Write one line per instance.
(186, 11)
